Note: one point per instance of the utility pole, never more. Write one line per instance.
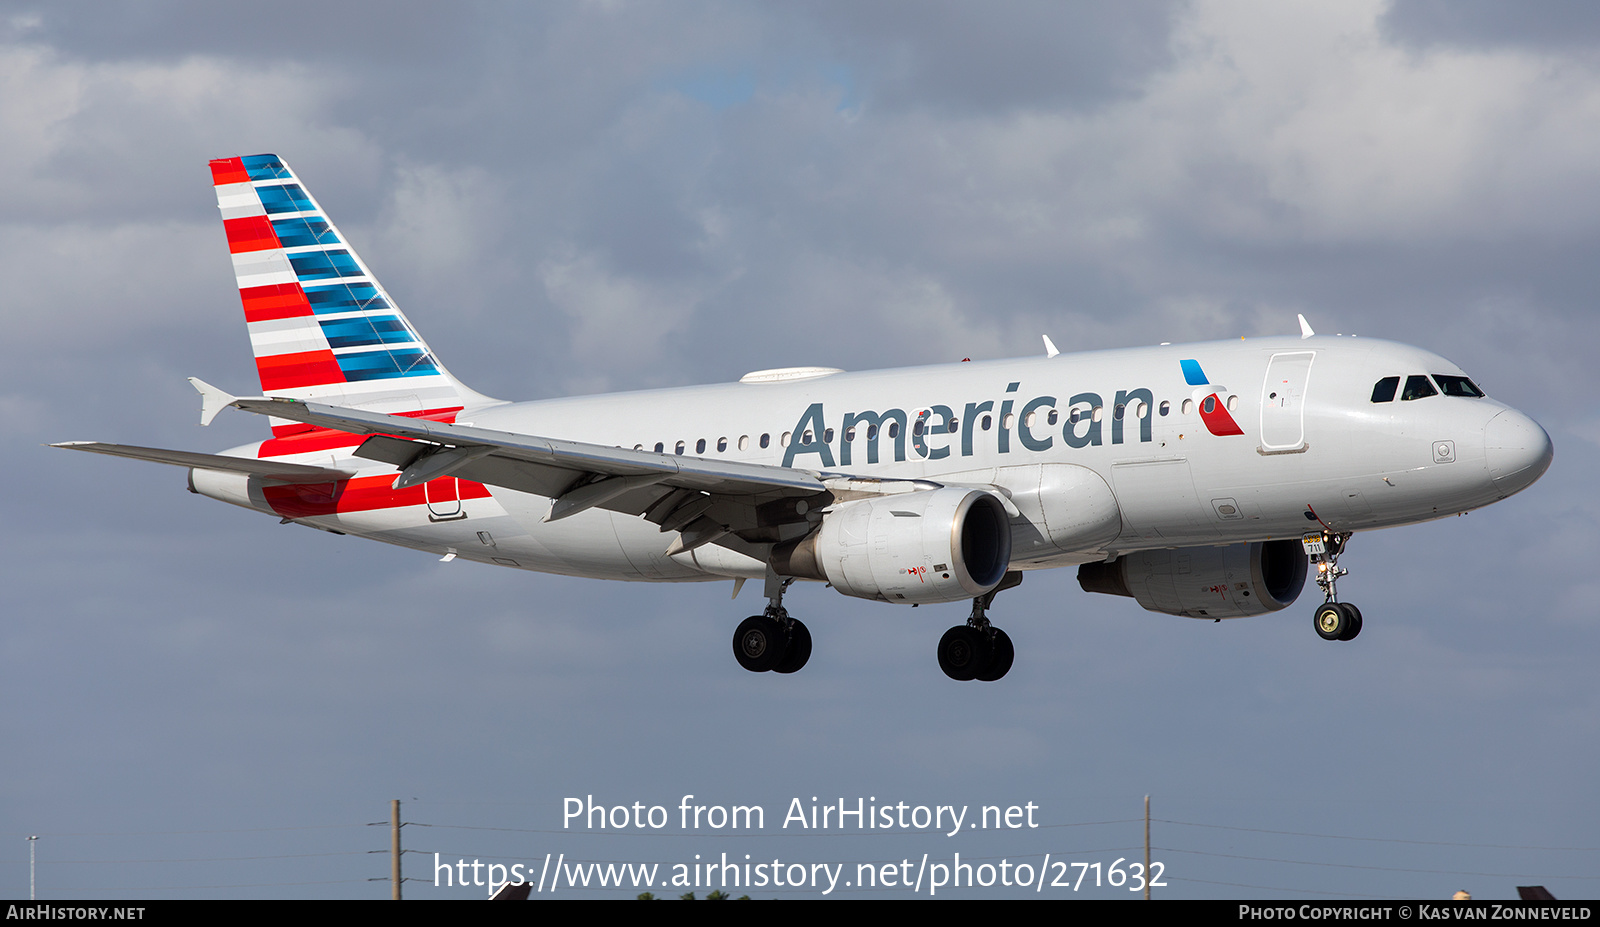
(31, 841)
(394, 847)
(1147, 848)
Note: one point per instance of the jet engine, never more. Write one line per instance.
(1235, 581)
(936, 545)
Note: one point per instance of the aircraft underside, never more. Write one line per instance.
(506, 528)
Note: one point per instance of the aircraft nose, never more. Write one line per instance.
(1517, 449)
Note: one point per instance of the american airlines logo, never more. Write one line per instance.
(1211, 400)
(935, 432)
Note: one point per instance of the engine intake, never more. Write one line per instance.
(937, 545)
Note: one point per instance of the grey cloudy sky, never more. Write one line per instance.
(581, 197)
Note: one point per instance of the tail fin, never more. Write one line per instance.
(321, 324)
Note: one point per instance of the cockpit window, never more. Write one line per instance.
(1383, 390)
(1457, 386)
(1417, 387)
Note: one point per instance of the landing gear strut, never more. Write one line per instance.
(1334, 620)
(772, 640)
(977, 649)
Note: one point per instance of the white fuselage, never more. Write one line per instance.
(1141, 468)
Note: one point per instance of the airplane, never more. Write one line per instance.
(1202, 480)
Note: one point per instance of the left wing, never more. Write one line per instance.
(703, 499)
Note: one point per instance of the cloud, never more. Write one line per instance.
(561, 208)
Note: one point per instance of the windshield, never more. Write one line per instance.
(1457, 386)
(1417, 387)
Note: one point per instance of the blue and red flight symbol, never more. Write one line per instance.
(1212, 410)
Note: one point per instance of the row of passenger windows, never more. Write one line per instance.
(1418, 387)
(985, 423)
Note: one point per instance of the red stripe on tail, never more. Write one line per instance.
(279, 301)
(293, 371)
(299, 438)
(228, 170)
(251, 233)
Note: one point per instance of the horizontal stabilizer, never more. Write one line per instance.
(267, 469)
(212, 400)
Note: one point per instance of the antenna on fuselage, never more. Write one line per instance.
(1049, 347)
(1305, 327)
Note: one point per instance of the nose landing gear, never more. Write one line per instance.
(1334, 620)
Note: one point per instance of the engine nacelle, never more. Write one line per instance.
(1205, 582)
(937, 545)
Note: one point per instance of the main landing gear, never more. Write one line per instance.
(772, 641)
(1334, 620)
(978, 649)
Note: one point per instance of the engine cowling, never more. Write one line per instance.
(1235, 581)
(937, 545)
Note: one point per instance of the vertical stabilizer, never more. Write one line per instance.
(321, 325)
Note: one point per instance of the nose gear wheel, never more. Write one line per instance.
(1334, 620)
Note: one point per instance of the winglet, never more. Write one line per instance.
(1305, 327)
(1049, 347)
(212, 400)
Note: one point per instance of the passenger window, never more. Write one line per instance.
(1165, 407)
(700, 446)
(917, 428)
(953, 426)
(680, 448)
(1457, 386)
(827, 436)
(1188, 406)
(744, 442)
(722, 444)
(766, 440)
(872, 431)
(1383, 390)
(1052, 418)
(805, 438)
(660, 447)
(1417, 387)
(1117, 411)
(783, 439)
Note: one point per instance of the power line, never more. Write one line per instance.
(1300, 862)
(170, 833)
(196, 859)
(1428, 843)
(878, 832)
